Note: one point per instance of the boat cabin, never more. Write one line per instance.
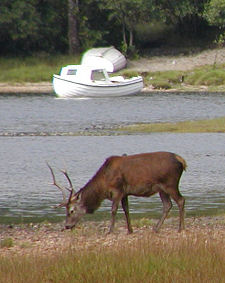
(84, 73)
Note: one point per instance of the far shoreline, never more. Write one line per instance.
(47, 88)
(42, 87)
(143, 65)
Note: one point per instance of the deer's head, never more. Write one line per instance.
(73, 205)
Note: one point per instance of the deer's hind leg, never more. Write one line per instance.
(180, 201)
(167, 205)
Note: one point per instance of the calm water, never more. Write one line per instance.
(25, 178)
(35, 114)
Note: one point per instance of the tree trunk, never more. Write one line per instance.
(124, 35)
(131, 38)
(74, 44)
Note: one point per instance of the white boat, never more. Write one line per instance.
(80, 80)
(108, 58)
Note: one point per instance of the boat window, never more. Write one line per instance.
(97, 75)
(72, 72)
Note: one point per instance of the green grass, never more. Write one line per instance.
(184, 259)
(208, 76)
(38, 68)
(164, 80)
(216, 125)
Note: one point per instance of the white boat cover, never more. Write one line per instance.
(108, 58)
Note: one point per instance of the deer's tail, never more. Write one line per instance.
(182, 161)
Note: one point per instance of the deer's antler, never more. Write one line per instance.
(70, 189)
(58, 186)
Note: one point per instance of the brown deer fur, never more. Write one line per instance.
(140, 175)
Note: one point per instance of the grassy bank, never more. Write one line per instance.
(208, 77)
(191, 256)
(40, 68)
(216, 125)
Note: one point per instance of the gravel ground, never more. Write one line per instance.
(181, 62)
(45, 239)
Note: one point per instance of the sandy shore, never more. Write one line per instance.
(43, 87)
(154, 63)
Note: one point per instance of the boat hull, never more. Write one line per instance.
(64, 87)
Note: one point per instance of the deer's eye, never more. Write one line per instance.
(72, 211)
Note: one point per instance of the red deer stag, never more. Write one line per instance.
(140, 175)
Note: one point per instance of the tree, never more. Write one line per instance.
(85, 25)
(92, 24)
(186, 14)
(28, 26)
(19, 23)
(52, 30)
(215, 13)
(127, 13)
(73, 38)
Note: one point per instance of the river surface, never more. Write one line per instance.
(39, 128)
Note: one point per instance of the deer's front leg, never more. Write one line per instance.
(125, 206)
(115, 205)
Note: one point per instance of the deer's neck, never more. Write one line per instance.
(91, 197)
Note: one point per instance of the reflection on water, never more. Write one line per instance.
(25, 178)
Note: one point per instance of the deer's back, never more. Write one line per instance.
(144, 170)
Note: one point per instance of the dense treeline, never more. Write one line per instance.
(71, 26)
